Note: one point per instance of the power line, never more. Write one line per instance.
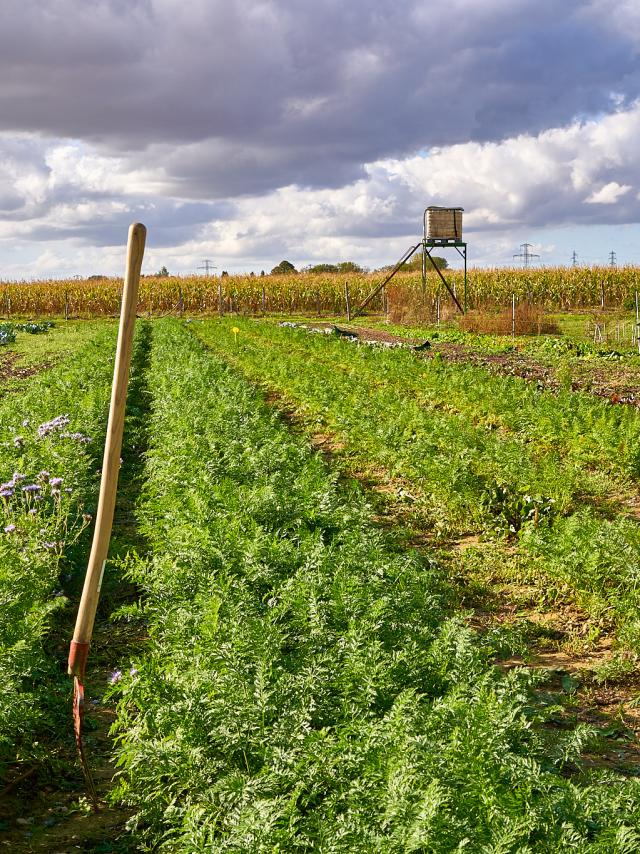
(574, 259)
(207, 265)
(613, 260)
(525, 255)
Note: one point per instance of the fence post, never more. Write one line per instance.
(438, 310)
(602, 294)
(66, 305)
(347, 300)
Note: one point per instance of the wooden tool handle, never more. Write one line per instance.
(111, 462)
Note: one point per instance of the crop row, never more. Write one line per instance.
(304, 686)
(560, 288)
(50, 434)
(478, 453)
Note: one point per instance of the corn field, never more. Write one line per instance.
(552, 288)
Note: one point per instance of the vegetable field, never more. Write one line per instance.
(362, 598)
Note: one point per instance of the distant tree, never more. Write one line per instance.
(340, 267)
(321, 268)
(262, 273)
(282, 268)
(223, 273)
(97, 277)
(416, 263)
(162, 272)
(349, 267)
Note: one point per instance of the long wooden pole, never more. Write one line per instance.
(111, 462)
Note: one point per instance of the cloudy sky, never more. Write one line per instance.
(248, 131)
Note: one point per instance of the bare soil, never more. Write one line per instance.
(10, 368)
(55, 815)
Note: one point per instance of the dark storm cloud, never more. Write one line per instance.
(236, 98)
(172, 224)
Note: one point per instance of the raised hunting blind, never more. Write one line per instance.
(442, 228)
(443, 223)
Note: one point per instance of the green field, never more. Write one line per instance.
(361, 597)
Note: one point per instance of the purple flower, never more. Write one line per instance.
(49, 545)
(133, 671)
(6, 492)
(18, 477)
(43, 475)
(115, 676)
(55, 424)
(18, 441)
(26, 422)
(78, 437)
(55, 483)
(33, 511)
(9, 529)
(31, 487)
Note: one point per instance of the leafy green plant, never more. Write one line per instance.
(7, 334)
(480, 453)
(47, 494)
(305, 687)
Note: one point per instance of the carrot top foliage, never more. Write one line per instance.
(305, 687)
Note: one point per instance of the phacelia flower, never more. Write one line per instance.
(115, 676)
(9, 529)
(53, 425)
(77, 437)
(18, 441)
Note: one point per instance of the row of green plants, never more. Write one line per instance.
(51, 431)
(477, 453)
(304, 686)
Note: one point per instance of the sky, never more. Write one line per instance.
(251, 131)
